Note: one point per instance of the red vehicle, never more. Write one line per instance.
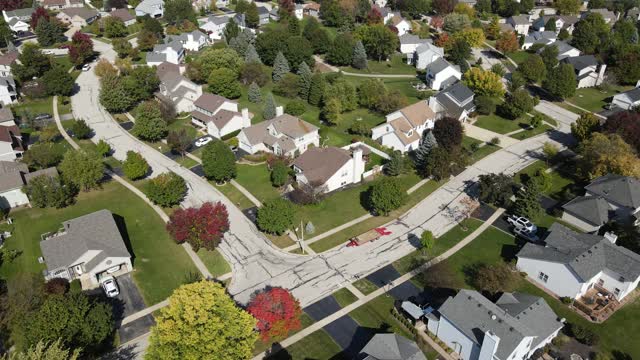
(370, 235)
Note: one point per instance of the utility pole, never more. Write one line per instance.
(302, 237)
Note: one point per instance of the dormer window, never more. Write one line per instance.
(410, 133)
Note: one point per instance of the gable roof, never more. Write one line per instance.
(210, 102)
(633, 94)
(392, 347)
(285, 124)
(592, 209)
(438, 65)
(6, 114)
(95, 231)
(427, 46)
(581, 62)
(606, 13)
(617, 189)
(407, 39)
(83, 13)
(520, 19)
(149, 6)
(20, 13)
(122, 14)
(319, 164)
(11, 175)
(397, 19)
(458, 92)
(418, 113)
(586, 254)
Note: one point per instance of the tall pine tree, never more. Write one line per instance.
(359, 56)
(254, 94)
(427, 143)
(251, 55)
(305, 80)
(317, 89)
(269, 111)
(280, 67)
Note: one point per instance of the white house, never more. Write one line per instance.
(62, 4)
(520, 23)
(153, 8)
(312, 9)
(629, 99)
(404, 127)
(391, 346)
(571, 263)
(385, 12)
(77, 17)
(171, 52)
(589, 72)
(8, 91)
(18, 20)
(193, 41)
(329, 168)
(11, 146)
(283, 135)
(400, 23)
(609, 16)
(512, 328)
(539, 37)
(86, 248)
(564, 50)
(5, 62)
(123, 14)
(13, 177)
(214, 26)
(426, 54)
(177, 89)
(455, 101)
(218, 115)
(408, 45)
(440, 74)
(566, 22)
(263, 15)
(298, 12)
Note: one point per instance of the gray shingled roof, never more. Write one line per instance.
(617, 189)
(438, 65)
(592, 209)
(459, 92)
(6, 114)
(633, 94)
(474, 315)
(581, 62)
(586, 254)
(410, 39)
(95, 231)
(20, 13)
(392, 347)
(11, 175)
(520, 19)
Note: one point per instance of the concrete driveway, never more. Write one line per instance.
(563, 116)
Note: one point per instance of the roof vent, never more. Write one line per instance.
(511, 328)
(493, 317)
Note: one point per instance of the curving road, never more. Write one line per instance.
(255, 262)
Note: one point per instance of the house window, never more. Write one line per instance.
(544, 277)
(600, 282)
(616, 292)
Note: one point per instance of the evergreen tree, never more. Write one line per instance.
(252, 16)
(305, 79)
(251, 55)
(527, 202)
(269, 111)
(49, 32)
(280, 67)
(427, 143)
(231, 30)
(317, 89)
(218, 162)
(254, 94)
(561, 81)
(359, 56)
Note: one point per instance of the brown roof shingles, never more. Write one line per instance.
(319, 164)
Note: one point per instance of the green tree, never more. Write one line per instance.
(295, 108)
(149, 124)
(31, 63)
(49, 191)
(43, 155)
(454, 22)
(212, 59)
(359, 60)
(202, 321)
(484, 82)
(254, 94)
(528, 203)
(288, 86)
(251, 55)
(449, 132)
(254, 72)
(378, 40)
(218, 162)
(176, 11)
(293, 25)
(427, 143)
(586, 125)
(344, 91)
(251, 15)
(386, 195)
(49, 32)
(179, 141)
(122, 47)
(305, 75)
(83, 169)
(231, 30)
(279, 173)
(147, 40)
(495, 189)
(533, 69)
(275, 216)
(58, 82)
(590, 33)
(80, 129)
(270, 42)
(427, 241)
(113, 95)
(317, 89)
(493, 278)
(166, 190)
(607, 154)
(280, 67)
(114, 27)
(549, 55)
(331, 111)
(135, 166)
(224, 83)
(517, 104)
(567, 7)
(460, 52)
(320, 41)
(103, 148)
(561, 81)
(341, 50)
(45, 351)
(269, 111)
(5, 33)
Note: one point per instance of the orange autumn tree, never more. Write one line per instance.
(277, 312)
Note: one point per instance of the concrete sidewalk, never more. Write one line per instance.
(485, 135)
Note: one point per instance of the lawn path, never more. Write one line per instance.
(390, 76)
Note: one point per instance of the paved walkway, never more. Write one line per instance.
(404, 278)
(560, 114)
(485, 135)
(585, 110)
(387, 76)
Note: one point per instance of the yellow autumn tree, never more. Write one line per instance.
(484, 82)
(607, 154)
(473, 36)
(202, 322)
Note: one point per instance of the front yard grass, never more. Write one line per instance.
(397, 65)
(560, 179)
(233, 194)
(344, 297)
(594, 99)
(318, 345)
(531, 132)
(160, 265)
(518, 56)
(365, 286)
(215, 263)
(499, 124)
(482, 151)
(260, 346)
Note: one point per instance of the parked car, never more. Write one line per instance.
(110, 286)
(525, 234)
(203, 141)
(86, 67)
(42, 116)
(522, 222)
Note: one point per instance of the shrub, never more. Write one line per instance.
(80, 129)
(166, 190)
(386, 195)
(495, 141)
(56, 286)
(135, 166)
(584, 335)
(295, 108)
(275, 216)
(279, 173)
(566, 300)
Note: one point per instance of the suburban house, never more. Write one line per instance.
(609, 16)
(123, 14)
(329, 168)
(385, 12)
(512, 328)
(193, 41)
(426, 54)
(11, 146)
(539, 37)
(284, 135)
(77, 17)
(455, 101)
(5, 62)
(440, 74)
(218, 115)
(214, 26)
(153, 8)
(273, 14)
(571, 263)
(312, 9)
(391, 347)
(564, 50)
(18, 20)
(629, 99)
(400, 23)
(86, 248)
(62, 4)
(6, 117)
(298, 12)
(606, 198)
(408, 45)
(520, 23)
(589, 72)
(566, 22)
(172, 52)
(177, 89)
(8, 91)
(404, 127)
(13, 177)
(263, 15)
(633, 14)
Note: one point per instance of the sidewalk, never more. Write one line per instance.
(485, 135)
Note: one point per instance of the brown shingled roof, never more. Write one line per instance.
(9, 58)
(418, 113)
(319, 164)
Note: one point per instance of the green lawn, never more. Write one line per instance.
(397, 65)
(257, 179)
(594, 99)
(160, 264)
(233, 194)
(531, 132)
(499, 124)
(179, 124)
(561, 178)
(215, 263)
(33, 106)
(483, 151)
(365, 286)
(519, 56)
(344, 297)
(318, 345)
(260, 346)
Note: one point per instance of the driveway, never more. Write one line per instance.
(563, 116)
(350, 336)
(322, 308)
(130, 297)
(135, 329)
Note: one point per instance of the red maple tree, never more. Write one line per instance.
(286, 8)
(277, 312)
(10, 5)
(627, 125)
(437, 22)
(81, 48)
(200, 227)
(39, 13)
(443, 40)
(374, 17)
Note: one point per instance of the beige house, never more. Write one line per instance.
(77, 17)
(283, 135)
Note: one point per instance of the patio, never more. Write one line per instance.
(597, 303)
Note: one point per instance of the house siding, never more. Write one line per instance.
(13, 198)
(562, 281)
(458, 341)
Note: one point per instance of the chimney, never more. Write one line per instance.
(358, 164)
(246, 121)
(611, 237)
(601, 70)
(279, 110)
(489, 346)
